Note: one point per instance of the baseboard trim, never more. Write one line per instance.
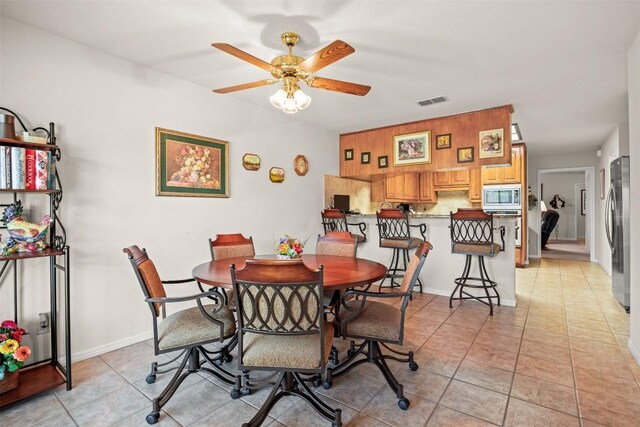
(442, 292)
(113, 345)
(634, 351)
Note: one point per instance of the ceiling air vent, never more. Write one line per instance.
(436, 100)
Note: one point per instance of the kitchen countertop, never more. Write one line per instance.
(419, 215)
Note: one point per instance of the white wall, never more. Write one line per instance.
(580, 219)
(106, 110)
(584, 158)
(634, 154)
(563, 184)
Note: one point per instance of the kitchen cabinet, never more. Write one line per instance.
(475, 185)
(377, 190)
(427, 192)
(458, 179)
(508, 174)
(402, 188)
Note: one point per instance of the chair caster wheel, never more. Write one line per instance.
(413, 366)
(218, 361)
(404, 403)
(228, 358)
(327, 384)
(151, 378)
(316, 382)
(351, 353)
(152, 418)
(235, 394)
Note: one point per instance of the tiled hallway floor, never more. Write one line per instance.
(558, 359)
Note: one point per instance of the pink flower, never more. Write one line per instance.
(9, 324)
(3, 337)
(22, 353)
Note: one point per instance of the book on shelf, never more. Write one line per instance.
(17, 168)
(27, 169)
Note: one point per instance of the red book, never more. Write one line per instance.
(42, 168)
(30, 169)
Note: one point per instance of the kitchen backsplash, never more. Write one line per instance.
(360, 194)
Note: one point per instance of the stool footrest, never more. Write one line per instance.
(487, 283)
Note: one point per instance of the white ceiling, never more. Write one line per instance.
(561, 64)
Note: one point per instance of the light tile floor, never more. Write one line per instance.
(558, 359)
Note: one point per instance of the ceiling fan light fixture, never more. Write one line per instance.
(290, 106)
(302, 99)
(278, 99)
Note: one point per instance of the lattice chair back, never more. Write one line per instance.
(280, 298)
(339, 243)
(148, 276)
(230, 246)
(334, 220)
(472, 232)
(393, 224)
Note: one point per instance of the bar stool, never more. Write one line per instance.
(472, 234)
(395, 233)
(334, 220)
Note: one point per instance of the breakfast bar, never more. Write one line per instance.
(438, 277)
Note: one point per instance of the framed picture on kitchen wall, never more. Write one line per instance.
(443, 141)
(491, 143)
(583, 202)
(412, 148)
(191, 165)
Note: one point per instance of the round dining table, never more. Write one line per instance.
(339, 272)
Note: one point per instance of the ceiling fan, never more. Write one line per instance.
(291, 69)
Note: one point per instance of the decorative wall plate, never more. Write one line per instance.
(276, 175)
(251, 162)
(300, 165)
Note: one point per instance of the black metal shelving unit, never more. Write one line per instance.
(49, 373)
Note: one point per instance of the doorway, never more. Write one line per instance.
(569, 192)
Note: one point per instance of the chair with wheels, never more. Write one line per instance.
(230, 246)
(335, 220)
(365, 316)
(395, 233)
(472, 234)
(282, 329)
(186, 331)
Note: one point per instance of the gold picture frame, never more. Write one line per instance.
(191, 165)
(412, 149)
(491, 143)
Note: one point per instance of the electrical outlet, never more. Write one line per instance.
(43, 323)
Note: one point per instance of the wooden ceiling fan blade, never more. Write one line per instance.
(326, 56)
(240, 54)
(245, 86)
(340, 86)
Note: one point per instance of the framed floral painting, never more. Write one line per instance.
(412, 148)
(191, 165)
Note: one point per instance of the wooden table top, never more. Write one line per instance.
(339, 272)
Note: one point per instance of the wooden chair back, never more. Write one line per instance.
(340, 243)
(230, 246)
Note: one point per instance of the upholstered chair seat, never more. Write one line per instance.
(378, 321)
(188, 327)
(409, 243)
(476, 249)
(282, 351)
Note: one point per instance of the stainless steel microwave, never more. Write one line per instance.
(501, 197)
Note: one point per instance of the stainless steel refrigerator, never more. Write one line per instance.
(617, 228)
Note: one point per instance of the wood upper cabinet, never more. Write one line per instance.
(427, 192)
(475, 185)
(402, 187)
(377, 191)
(456, 178)
(507, 174)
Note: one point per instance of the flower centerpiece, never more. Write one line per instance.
(12, 354)
(289, 247)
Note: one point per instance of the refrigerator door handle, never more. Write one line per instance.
(607, 216)
(614, 235)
